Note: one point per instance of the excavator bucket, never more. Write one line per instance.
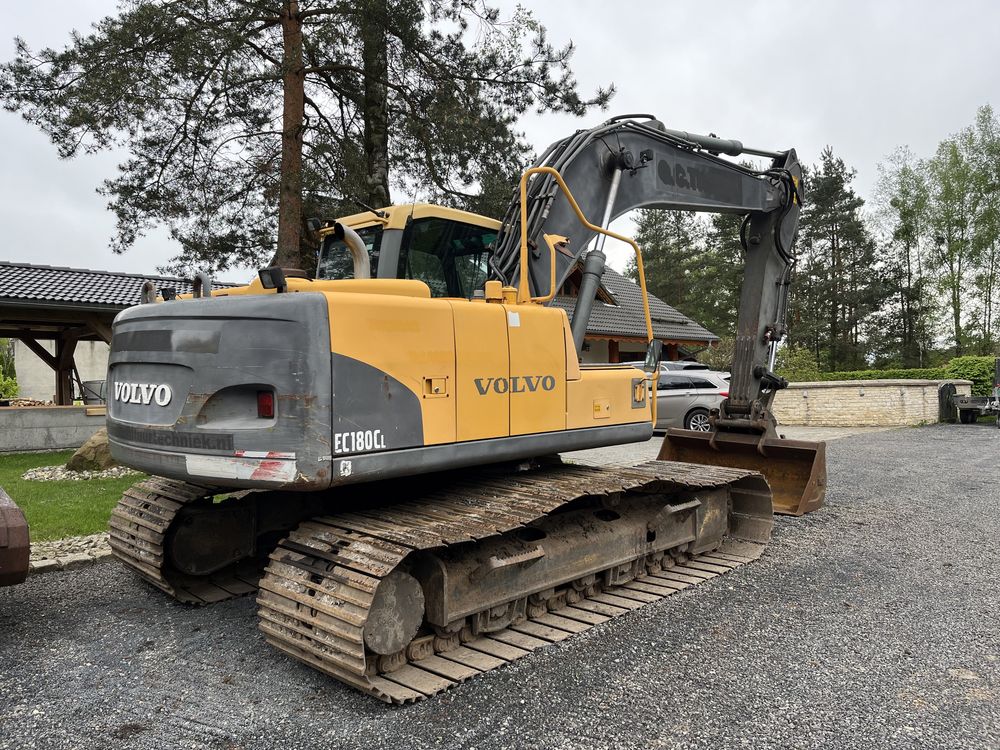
(795, 469)
(13, 542)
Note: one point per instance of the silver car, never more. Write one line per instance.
(683, 365)
(684, 398)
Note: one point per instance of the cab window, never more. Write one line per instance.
(335, 260)
(449, 256)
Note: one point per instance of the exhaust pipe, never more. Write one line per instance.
(359, 252)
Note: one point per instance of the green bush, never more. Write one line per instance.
(977, 369)
(720, 356)
(8, 387)
(796, 364)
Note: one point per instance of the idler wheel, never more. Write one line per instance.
(396, 613)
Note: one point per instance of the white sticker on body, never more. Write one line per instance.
(513, 319)
(359, 441)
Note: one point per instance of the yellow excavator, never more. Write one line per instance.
(383, 440)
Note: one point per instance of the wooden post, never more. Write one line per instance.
(613, 355)
(98, 326)
(65, 349)
(672, 352)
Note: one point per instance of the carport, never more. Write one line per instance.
(67, 306)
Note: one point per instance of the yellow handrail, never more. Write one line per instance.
(523, 290)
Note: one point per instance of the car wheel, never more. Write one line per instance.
(697, 419)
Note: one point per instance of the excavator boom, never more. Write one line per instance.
(629, 163)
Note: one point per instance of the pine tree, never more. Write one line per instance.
(835, 290)
(670, 241)
(241, 117)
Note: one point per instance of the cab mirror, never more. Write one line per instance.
(653, 354)
(273, 278)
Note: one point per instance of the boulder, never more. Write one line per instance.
(94, 455)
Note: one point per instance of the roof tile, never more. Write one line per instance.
(81, 286)
(626, 318)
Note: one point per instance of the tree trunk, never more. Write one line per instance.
(290, 196)
(956, 300)
(374, 59)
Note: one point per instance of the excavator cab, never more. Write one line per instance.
(445, 248)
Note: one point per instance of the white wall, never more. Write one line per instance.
(598, 350)
(37, 380)
(595, 350)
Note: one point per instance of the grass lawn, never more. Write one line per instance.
(59, 509)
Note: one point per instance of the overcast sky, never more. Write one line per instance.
(862, 77)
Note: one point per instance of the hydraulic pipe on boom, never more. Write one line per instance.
(593, 270)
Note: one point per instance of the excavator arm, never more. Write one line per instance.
(636, 162)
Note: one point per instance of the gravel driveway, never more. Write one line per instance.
(869, 624)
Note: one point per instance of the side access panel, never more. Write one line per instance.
(616, 394)
(537, 369)
(482, 367)
(408, 341)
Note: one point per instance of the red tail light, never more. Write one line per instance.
(724, 394)
(265, 404)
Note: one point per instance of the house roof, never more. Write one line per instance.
(28, 284)
(626, 319)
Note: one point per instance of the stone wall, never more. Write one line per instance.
(47, 428)
(855, 403)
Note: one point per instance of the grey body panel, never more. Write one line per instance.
(365, 398)
(215, 354)
(372, 466)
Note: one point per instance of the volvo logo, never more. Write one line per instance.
(516, 384)
(143, 393)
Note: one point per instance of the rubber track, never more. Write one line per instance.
(316, 591)
(139, 526)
